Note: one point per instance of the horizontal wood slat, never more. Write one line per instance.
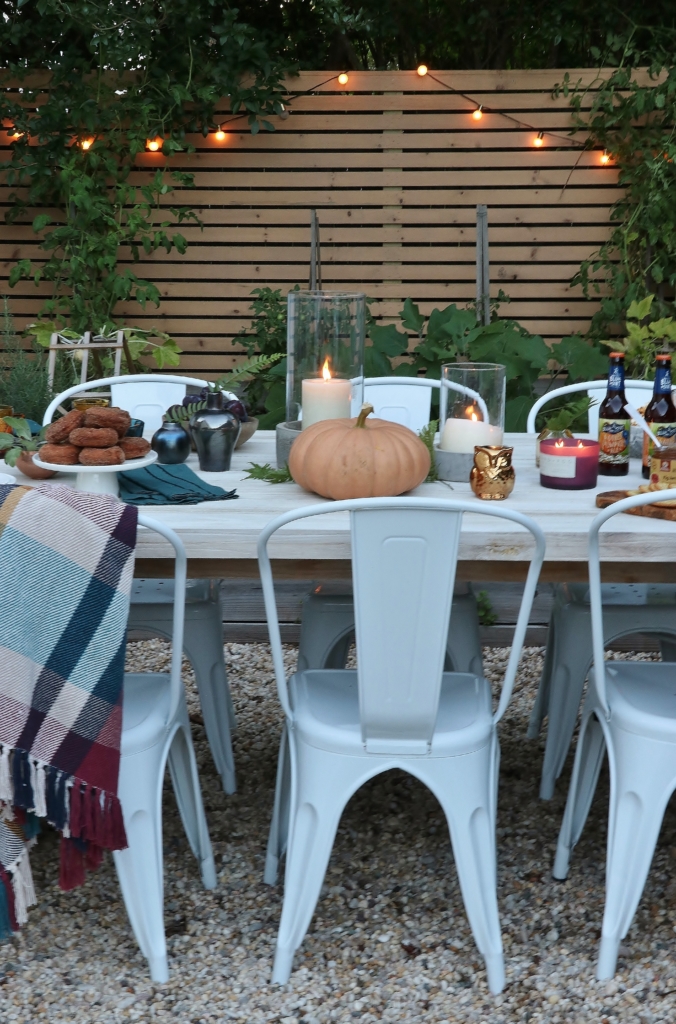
(395, 166)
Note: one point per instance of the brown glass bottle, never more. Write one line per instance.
(614, 422)
(660, 412)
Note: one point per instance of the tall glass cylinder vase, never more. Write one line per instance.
(472, 412)
(325, 356)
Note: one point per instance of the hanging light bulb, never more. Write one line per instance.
(478, 113)
(343, 78)
(605, 157)
(220, 135)
(539, 139)
(85, 143)
(422, 70)
(154, 144)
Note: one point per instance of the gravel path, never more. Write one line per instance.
(389, 940)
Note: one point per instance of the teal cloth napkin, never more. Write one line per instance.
(168, 485)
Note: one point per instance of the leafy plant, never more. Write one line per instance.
(23, 373)
(632, 115)
(139, 346)
(256, 471)
(644, 339)
(266, 391)
(21, 440)
(569, 415)
(454, 334)
(487, 616)
(426, 435)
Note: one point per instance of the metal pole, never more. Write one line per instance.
(314, 251)
(483, 281)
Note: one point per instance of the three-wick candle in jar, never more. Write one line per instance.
(569, 463)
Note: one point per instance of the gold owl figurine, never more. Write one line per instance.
(492, 476)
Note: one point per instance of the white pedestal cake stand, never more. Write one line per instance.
(98, 479)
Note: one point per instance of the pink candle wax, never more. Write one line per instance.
(569, 463)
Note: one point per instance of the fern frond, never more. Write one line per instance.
(248, 369)
(426, 435)
(266, 472)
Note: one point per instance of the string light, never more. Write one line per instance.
(220, 135)
(478, 113)
(605, 157)
(422, 70)
(154, 144)
(343, 79)
(16, 135)
(539, 139)
(85, 143)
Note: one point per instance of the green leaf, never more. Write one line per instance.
(516, 413)
(640, 310)
(40, 222)
(12, 456)
(411, 317)
(6, 441)
(582, 359)
(19, 426)
(255, 471)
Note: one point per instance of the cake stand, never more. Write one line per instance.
(98, 479)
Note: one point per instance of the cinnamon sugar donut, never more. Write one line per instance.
(134, 447)
(59, 454)
(93, 437)
(60, 429)
(114, 418)
(102, 456)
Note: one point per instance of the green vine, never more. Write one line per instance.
(632, 117)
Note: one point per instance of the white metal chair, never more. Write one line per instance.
(630, 608)
(327, 620)
(152, 600)
(156, 730)
(398, 710)
(630, 711)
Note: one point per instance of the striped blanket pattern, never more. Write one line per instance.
(66, 570)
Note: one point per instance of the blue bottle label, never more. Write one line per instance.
(663, 380)
(616, 378)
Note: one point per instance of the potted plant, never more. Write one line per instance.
(20, 445)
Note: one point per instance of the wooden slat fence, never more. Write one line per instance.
(395, 166)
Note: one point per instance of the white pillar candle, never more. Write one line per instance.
(461, 435)
(325, 399)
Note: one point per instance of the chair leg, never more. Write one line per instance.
(279, 826)
(466, 787)
(668, 649)
(572, 659)
(589, 755)
(321, 784)
(203, 644)
(140, 866)
(643, 777)
(541, 706)
(327, 624)
(463, 646)
(183, 769)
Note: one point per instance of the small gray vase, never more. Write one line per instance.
(214, 431)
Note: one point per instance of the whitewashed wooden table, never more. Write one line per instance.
(220, 537)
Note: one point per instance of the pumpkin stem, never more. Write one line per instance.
(365, 411)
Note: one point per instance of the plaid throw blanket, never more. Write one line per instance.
(66, 569)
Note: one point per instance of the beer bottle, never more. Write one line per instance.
(614, 422)
(660, 412)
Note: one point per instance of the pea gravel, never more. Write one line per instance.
(389, 940)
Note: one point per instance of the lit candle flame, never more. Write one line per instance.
(559, 444)
(326, 373)
(580, 445)
(472, 414)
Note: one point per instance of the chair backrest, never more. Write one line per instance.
(635, 390)
(404, 556)
(145, 396)
(595, 588)
(180, 573)
(405, 400)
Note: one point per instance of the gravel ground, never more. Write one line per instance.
(389, 940)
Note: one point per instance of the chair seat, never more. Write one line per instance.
(326, 712)
(145, 710)
(642, 697)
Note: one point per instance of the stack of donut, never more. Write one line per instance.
(92, 438)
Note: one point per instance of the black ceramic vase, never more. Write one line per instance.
(214, 431)
(172, 444)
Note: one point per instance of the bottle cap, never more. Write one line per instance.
(616, 355)
(663, 357)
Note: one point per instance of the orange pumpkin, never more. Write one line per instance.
(358, 458)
